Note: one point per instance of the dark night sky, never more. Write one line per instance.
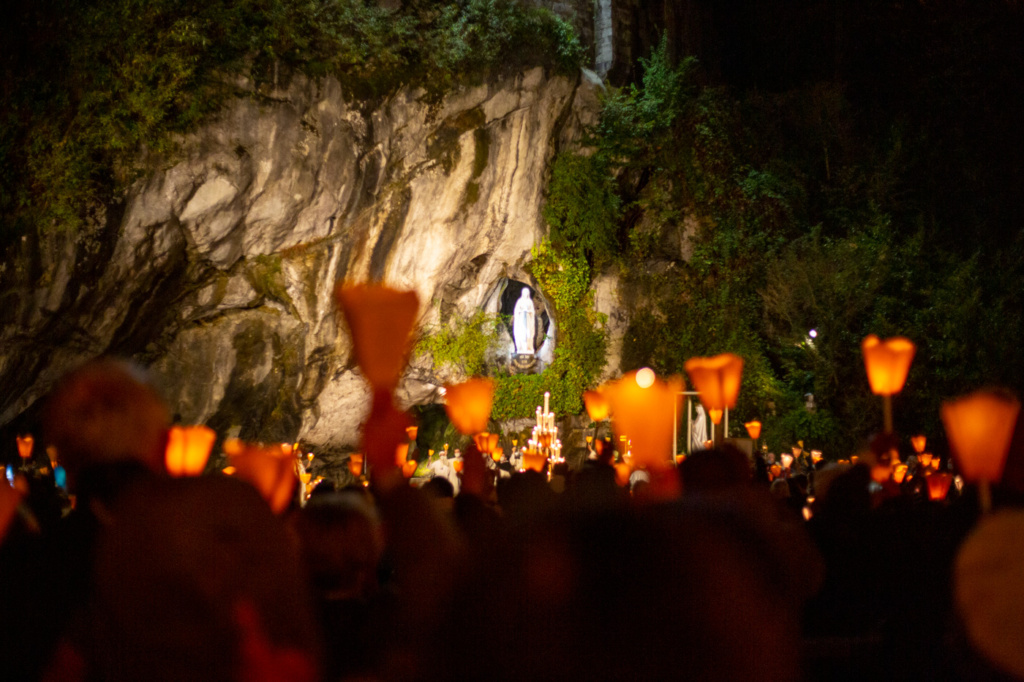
(951, 71)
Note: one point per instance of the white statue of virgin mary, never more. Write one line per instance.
(700, 429)
(524, 324)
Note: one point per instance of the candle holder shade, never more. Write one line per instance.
(188, 449)
(485, 442)
(598, 407)
(753, 429)
(469, 405)
(412, 432)
(938, 485)
(269, 468)
(887, 363)
(717, 379)
(409, 468)
(355, 464)
(899, 473)
(380, 320)
(647, 415)
(979, 427)
(919, 443)
(25, 445)
(401, 454)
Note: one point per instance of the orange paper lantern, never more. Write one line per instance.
(269, 468)
(925, 458)
(25, 444)
(188, 449)
(938, 485)
(647, 414)
(919, 443)
(622, 473)
(497, 454)
(887, 363)
(486, 442)
(412, 432)
(717, 379)
(409, 468)
(775, 470)
(899, 473)
(401, 454)
(597, 405)
(305, 477)
(881, 473)
(469, 405)
(979, 427)
(754, 429)
(716, 415)
(381, 322)
(457, 465)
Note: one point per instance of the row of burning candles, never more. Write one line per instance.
(544, 442)
(272, 468)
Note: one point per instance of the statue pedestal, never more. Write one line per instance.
(523, 364)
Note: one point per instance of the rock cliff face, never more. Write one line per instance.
(217, 269)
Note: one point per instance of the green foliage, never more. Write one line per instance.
(564, 277)
(119, 77)
(582, 209)
(790, 219)
(266, 277)
(462, 343)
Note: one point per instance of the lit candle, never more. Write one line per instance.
(546, 396)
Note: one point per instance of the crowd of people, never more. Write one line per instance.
(820, 574)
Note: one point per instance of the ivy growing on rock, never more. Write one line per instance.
(461, 344)
(564, 276)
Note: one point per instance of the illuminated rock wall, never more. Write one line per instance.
(217, 269)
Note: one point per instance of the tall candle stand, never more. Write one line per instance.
(544, 444)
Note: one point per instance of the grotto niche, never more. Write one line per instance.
(527, 337)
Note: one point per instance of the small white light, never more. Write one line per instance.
(813, 333)
(645, 377)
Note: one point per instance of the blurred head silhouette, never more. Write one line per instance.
(106, 412)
